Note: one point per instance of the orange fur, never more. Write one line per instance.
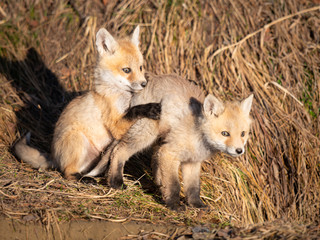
(111, 117)
(91, 122)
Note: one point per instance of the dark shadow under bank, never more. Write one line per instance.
(43, 96)
(44, 99)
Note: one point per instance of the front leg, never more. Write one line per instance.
(140, 136)
(149, 110)
(191, 183)
(115, 176)
(167, 177)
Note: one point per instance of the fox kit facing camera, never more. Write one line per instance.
(91, 122)
(192, 128)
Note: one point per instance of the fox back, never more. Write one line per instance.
(190, 115)
(192, 128)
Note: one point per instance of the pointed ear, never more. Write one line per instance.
(212, 106)
(105, 42)
(246, 104)
(135, 36)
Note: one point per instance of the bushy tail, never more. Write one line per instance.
(31, 155)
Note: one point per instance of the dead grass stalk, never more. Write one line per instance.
(47, 57)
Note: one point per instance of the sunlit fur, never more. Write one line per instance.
(190, 130)
(232, 120)
(90, 122)
(110, 68)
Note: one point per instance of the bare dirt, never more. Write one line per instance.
(82, 229)
(89, 230)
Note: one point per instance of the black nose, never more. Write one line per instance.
(143, 84)
(239, 150)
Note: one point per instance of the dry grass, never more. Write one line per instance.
(232, 48)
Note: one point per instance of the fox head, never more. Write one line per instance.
(227, 125)
(120, 61)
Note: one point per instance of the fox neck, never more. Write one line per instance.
(107, 89)
(211, 149)
(106, 86)
(206, 145)
(204, 148)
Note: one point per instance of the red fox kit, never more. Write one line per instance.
(192, 128)
(90, 122)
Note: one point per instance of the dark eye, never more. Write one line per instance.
(243, 133)
(140, 68)
(126, 70)
(225, 133)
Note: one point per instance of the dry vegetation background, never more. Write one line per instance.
(47, 56)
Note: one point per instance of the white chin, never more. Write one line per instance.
(136, 90)
(232, 154)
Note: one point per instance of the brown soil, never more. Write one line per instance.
(82, 229)
(87, 230)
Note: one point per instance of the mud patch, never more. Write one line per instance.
(82, 229)
(85, 229)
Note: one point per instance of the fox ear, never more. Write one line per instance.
(246, 104)
(105, 42)
(212, 106)
(135, 36)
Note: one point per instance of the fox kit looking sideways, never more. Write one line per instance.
(92, 121)
(192, 128)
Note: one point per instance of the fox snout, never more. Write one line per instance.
(144, 84)
(239, 150)
(235, 151)
(137, 86)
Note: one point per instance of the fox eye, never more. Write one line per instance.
(140, 68)
(225, 133)
(126, 70)
(243, 133)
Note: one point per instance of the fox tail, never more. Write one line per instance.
(32, 156)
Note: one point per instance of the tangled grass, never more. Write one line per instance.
(232, 48)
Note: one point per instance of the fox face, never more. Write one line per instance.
(120, 62)
(227, 126)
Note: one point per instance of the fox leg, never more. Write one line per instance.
(117, 157)
(73, 152)
(167, 177)
(191, 183)
(140, 136)
(149, 110)
(71, 172)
